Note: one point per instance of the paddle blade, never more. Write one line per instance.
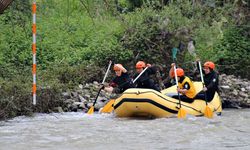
(108, 108)
(181, 113)
(208, 112)
(91, 110)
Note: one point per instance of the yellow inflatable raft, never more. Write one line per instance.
(137, 102)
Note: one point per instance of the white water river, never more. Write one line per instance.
(79, 131)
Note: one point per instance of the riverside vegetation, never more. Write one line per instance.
(77, 38)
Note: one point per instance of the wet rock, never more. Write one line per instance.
(80, 86)
(58, 109)
(103, 99)
(79, 105)
(95, 83)
(226, 87)
(65, 109)
(248, 88)
(66, 95)
(235, 92)
(243, 89)
(73, 108)
(87, 86)
(89, 105)
(69, 101)
(81, 99)
(74, 94)
(242, 94)
(230, 104)
(79, 92)
(99, 105)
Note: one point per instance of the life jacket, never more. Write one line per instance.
(191, 92)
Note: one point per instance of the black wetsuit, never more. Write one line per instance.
(211, 82)
(144, 81)
(122, 83)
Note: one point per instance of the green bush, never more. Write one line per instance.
(232, 52)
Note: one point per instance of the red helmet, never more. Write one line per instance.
(209, 64)
(117, 67)
(140, 64)
(179, 72)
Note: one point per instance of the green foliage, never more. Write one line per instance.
(151, 35)
(16, 98)
(232, 52)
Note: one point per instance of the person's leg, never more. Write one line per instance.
(200, 96)
(205, 96)
(210, 96)
(175, 96)
(184, 98)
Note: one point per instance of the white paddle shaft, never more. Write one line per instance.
(140, 74)
(110, 62)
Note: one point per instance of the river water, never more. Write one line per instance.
(79, 131)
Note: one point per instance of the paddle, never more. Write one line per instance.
(208, 112)
(91, 110)
(108, 108)
(181, 113)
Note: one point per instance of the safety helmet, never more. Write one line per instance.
(140, 64)
(179, 72)
(117, 67)
(209, 64)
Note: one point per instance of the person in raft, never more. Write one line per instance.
(145, 81)
(186, 87)
(121, 82)
(211, 80)
(170, 80)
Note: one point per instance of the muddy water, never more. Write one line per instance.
(79, 131)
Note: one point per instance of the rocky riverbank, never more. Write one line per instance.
(234, 93)
(83, 97)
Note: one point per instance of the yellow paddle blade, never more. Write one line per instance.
(181, 113)
(208, 112)
(91, 110)
(108, 108)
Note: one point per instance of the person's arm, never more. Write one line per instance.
(123, 69)
(110, 87)
(151, 70)
(185, 88)
(171, 71)
(212, 82)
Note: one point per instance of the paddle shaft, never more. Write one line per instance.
(176, 80)
(105, 76)
(97, 96)
(110, 62)
(140, 74)
(202, 80)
